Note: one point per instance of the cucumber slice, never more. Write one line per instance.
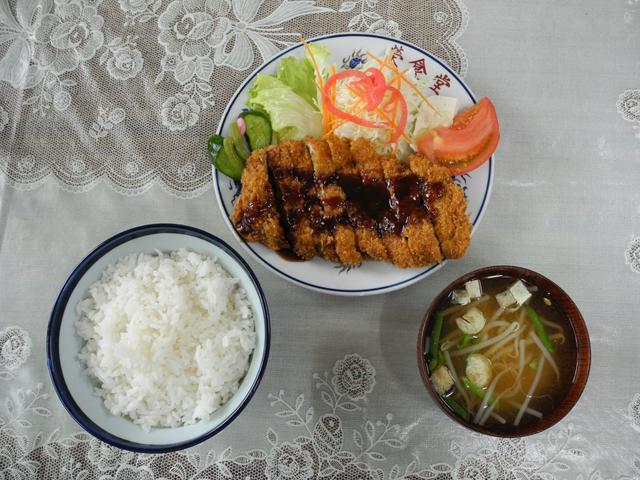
(214, 145)
(238, 142)
(221, 160)
(258, 129)
(232, 153)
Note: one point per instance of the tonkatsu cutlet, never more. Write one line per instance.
(356, 208)
(387, 223)
(342, 201)
(332, 198)
(407, 203)
(255, 215)
(450, 222)
(313, 208)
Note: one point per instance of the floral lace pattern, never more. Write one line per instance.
(354, 377)
(634, 412)
(15, 348)
(337, 440)
(628, 106)
(167, 68)
(632, 255)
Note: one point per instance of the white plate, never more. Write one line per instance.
(371, 277)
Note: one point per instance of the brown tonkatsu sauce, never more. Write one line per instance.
(431, 192)
(288, 255)
(385, 206)
(253, 212)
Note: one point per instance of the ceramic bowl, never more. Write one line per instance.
(76, 390)
(578, 329)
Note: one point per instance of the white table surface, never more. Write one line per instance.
(565, 203)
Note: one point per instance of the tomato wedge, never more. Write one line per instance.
(467, 143)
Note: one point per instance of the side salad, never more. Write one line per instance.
(308, 97)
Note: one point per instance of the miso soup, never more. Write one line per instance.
(500, 353)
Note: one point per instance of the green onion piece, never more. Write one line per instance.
(457, 408)
(434, 363)
(465, 341)
(539, 327)
(533, 364)
(434, 346)
(478, 391)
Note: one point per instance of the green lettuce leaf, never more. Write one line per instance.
(321, 54)
(299, 75)
(292, 117)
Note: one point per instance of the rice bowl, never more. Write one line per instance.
(168, 337)
(77, 390)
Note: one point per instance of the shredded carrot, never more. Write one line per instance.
(318, 82)
(330, 118)
(390, 121)
(393, 68)
(313, 60)
(394, 115)
(384, 62)
(357, 109)
(325, 114)
(387, 57)
(398, 77)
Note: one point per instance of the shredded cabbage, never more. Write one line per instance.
(420, 117)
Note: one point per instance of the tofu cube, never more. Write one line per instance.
(505, 299)
(474, 289)
(520, 292)
(460, 297)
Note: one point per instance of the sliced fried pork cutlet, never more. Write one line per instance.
(342, 201)
(332, 198)
(289, 185)
(255, 215)
(369, 165)
(412, 215)
(313, 207)
(447, 207)
(358, 204)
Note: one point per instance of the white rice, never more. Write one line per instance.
(168, 337)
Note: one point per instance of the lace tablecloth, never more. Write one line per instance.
(100, 100)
